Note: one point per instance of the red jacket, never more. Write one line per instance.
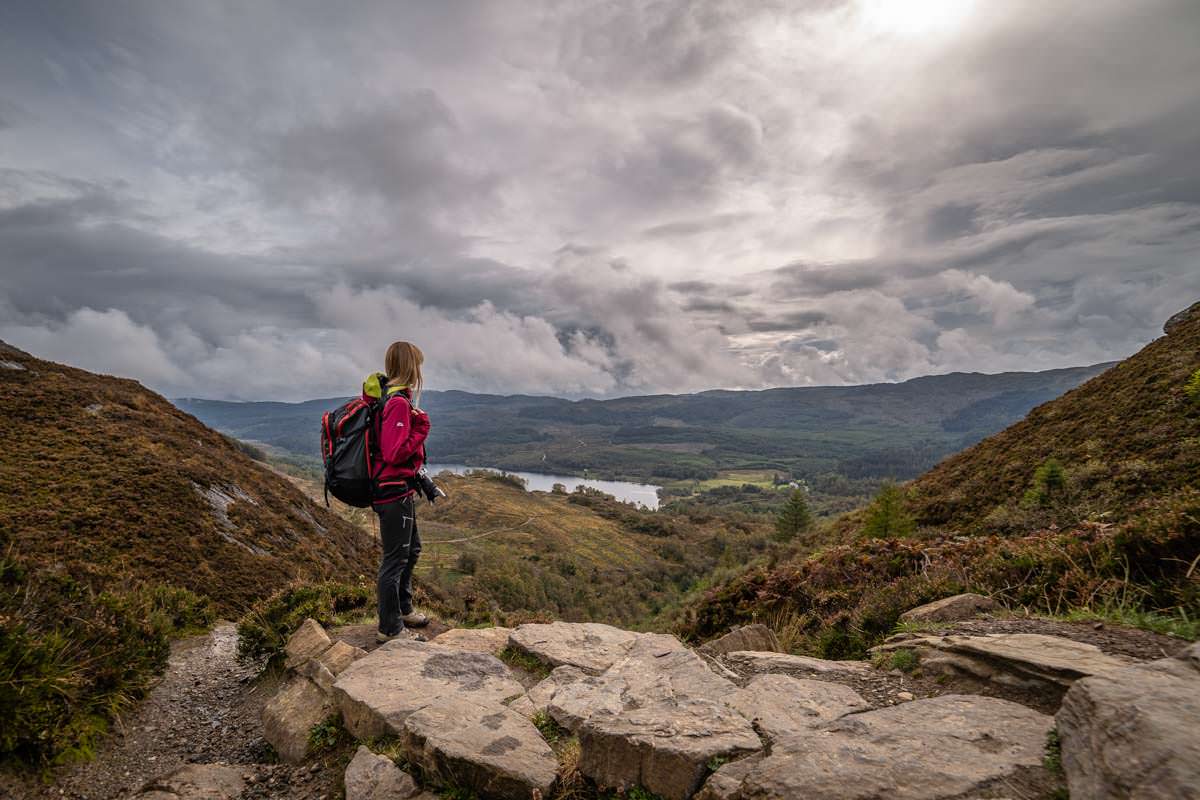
(402, 432)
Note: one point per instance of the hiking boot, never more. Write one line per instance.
(415, 619)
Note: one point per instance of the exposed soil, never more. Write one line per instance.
(205, 710)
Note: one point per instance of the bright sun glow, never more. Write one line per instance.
(914, 17)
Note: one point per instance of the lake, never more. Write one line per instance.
(643, 494)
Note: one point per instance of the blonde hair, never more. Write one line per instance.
(402, 363)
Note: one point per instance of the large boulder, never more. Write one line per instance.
(747, 637)
(477, 640)
(1134, 732)
(374, 777)
(290, 715)
(760, 663)
(308, 641)
(655, 718)
(950, 609)
(780, 706)
(591, 646)
(488, 749)
(943, 747)
(377, 692)
(1028, 661)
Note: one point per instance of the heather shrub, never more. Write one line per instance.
(265, 628)
(72, 659)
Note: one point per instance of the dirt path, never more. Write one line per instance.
(205, 710)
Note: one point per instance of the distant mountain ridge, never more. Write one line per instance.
(862, 431)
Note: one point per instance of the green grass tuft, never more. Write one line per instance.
(327, 735)
(519, 659)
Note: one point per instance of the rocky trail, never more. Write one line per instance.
(952, 708)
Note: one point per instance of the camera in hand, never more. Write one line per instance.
(428, 488)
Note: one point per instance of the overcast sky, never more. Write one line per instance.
(251, 200)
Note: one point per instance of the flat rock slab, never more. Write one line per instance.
(950, 609)
(377, 692)
(488, 749)
(943, 747)
(1013, 659)
(1135, 732)
(591, 646)
(655, 718)
(290, 715)
(477, 640)
(747, 637)
(374, 777)
(780, 706)
(758, 663)
(198, 782)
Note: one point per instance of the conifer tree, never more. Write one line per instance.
(794, 518)
(886, 517)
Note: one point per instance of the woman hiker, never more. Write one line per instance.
(402, 431)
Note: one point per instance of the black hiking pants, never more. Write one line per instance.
(401, 549)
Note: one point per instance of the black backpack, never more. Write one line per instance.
(350, 450)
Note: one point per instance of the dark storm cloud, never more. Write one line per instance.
(593, 198)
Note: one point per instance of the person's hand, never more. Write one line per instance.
(420, 421)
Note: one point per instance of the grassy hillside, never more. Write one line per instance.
(1092, 502)
(855, 431)
(495, 552)
(123, 521)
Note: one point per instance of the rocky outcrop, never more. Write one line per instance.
(375, 777)
(590, 646)
(655, 718)
(476, 640)
(377, 693)
(950, 609)
(1181, 318)
(649, 712)
(747, 637)
(291, 714)
(489, 749)
(1134, 732)
(943, 747)
(1029, 661)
